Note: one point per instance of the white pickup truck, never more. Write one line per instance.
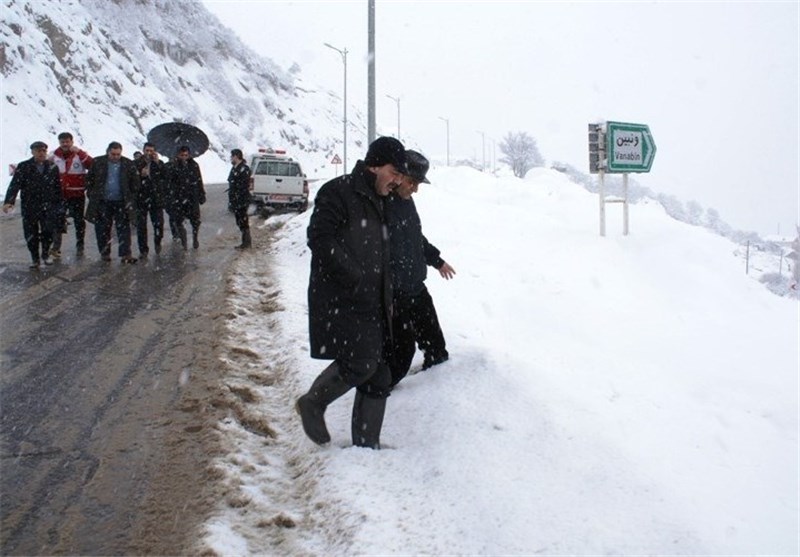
(277, 182)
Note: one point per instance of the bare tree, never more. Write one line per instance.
(521, 153)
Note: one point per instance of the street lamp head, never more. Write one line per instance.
(339, 50)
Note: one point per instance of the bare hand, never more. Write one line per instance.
(74, 149)
(447, 271)
(7, 207)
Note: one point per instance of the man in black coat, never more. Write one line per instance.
(186, 194)
(414, 318)
(112, 184)
(150, 198)
(350, 295)
(38, 183)
(239, 196)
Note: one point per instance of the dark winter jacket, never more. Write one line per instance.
(349, 291)
(96, 185)
(185, 191)
(410, 251)
(239, 186)
(40, 192)
(151, 187)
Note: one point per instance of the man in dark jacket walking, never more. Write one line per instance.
(349, 294)
(111, 187)
(150, 198)
(239, 196)
(414, 319)
(186, 193)
(37, 182)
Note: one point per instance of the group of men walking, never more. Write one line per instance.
(121, 193)
(368, 306)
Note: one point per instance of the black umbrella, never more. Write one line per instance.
(172, 135)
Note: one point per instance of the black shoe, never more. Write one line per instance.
(434, 360)
(158, 248)
(143, 254)
(128, 260)
(34, 265)
(105, 257)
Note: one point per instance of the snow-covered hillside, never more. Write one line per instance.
(605, 396)
(113, 70)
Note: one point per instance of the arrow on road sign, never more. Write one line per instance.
(630, 147)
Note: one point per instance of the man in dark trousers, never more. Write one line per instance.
(111, 187)
(72, 163)
(187, 193)
(239, 196)
(349, 294)
(414, 318)
(37, 182)
(150, 198)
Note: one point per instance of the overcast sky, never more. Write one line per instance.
(717, 82)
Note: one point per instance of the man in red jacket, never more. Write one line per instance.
(72, 163)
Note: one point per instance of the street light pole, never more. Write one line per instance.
(370, 71)
(397, 100)
(447, 122)
(344, 60)
(483, 149)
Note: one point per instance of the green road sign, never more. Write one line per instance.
(629, 147)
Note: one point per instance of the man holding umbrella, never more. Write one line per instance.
(185, 183)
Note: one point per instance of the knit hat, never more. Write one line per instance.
(387, 150)
(417, 166)
(38, 145)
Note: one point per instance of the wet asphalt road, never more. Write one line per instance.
(95, 358)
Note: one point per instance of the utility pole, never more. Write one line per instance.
(397, 100)
(447, 122)
(371, 71)
(483, 150)
(344, 60)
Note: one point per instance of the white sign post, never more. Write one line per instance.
(336, 161)
(619, 147)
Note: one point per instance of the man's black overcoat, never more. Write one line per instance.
(349, 291)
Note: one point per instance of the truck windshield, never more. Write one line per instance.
(278, 168)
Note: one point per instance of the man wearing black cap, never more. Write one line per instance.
(350, 294)
(38, 183)
(239, 196)
(414, 318)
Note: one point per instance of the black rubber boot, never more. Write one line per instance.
(182, 236)
(368, 420)
(327, 387)
(247, 241)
